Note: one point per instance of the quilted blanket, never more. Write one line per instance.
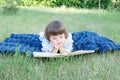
(85, 40)
(92, 41)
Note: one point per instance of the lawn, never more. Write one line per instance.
(82, 67)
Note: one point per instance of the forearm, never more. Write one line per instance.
(54, 50)
(62, 50)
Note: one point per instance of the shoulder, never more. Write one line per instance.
(69, 39)
(46, 46)
(69, 43)
(41, 35)
(69, 35)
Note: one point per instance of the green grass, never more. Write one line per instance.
(82, 67)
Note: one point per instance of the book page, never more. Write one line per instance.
(47, 54)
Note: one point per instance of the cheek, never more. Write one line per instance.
(63, 40)
(54, 41)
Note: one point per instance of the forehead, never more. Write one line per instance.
(57, 35)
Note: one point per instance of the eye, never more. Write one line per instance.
(54, 38)
(61, 36)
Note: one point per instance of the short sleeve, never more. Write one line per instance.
(46, 46)
(69, 43)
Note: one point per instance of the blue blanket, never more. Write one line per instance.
(91, 41)
(27, 43)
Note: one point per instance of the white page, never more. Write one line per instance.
(47, 54)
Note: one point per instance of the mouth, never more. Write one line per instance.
(58, 43)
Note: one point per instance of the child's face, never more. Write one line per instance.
(58, 40)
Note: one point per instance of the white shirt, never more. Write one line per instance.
(47, 47)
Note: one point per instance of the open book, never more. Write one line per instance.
(47, 54)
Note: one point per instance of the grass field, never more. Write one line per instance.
(82, 67)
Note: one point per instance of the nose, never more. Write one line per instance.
(58, 40)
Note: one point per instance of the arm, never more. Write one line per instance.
(58, 47)
(54, 50)
(67, 46)
(62, 50)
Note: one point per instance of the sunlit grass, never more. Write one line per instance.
(82, 67)
(64, 10)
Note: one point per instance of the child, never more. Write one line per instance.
(57, 40)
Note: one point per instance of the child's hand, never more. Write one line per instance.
(55, 47)
(58, 46)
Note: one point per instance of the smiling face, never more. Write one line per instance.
(57, 40)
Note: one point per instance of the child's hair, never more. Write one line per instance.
(54, 28)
